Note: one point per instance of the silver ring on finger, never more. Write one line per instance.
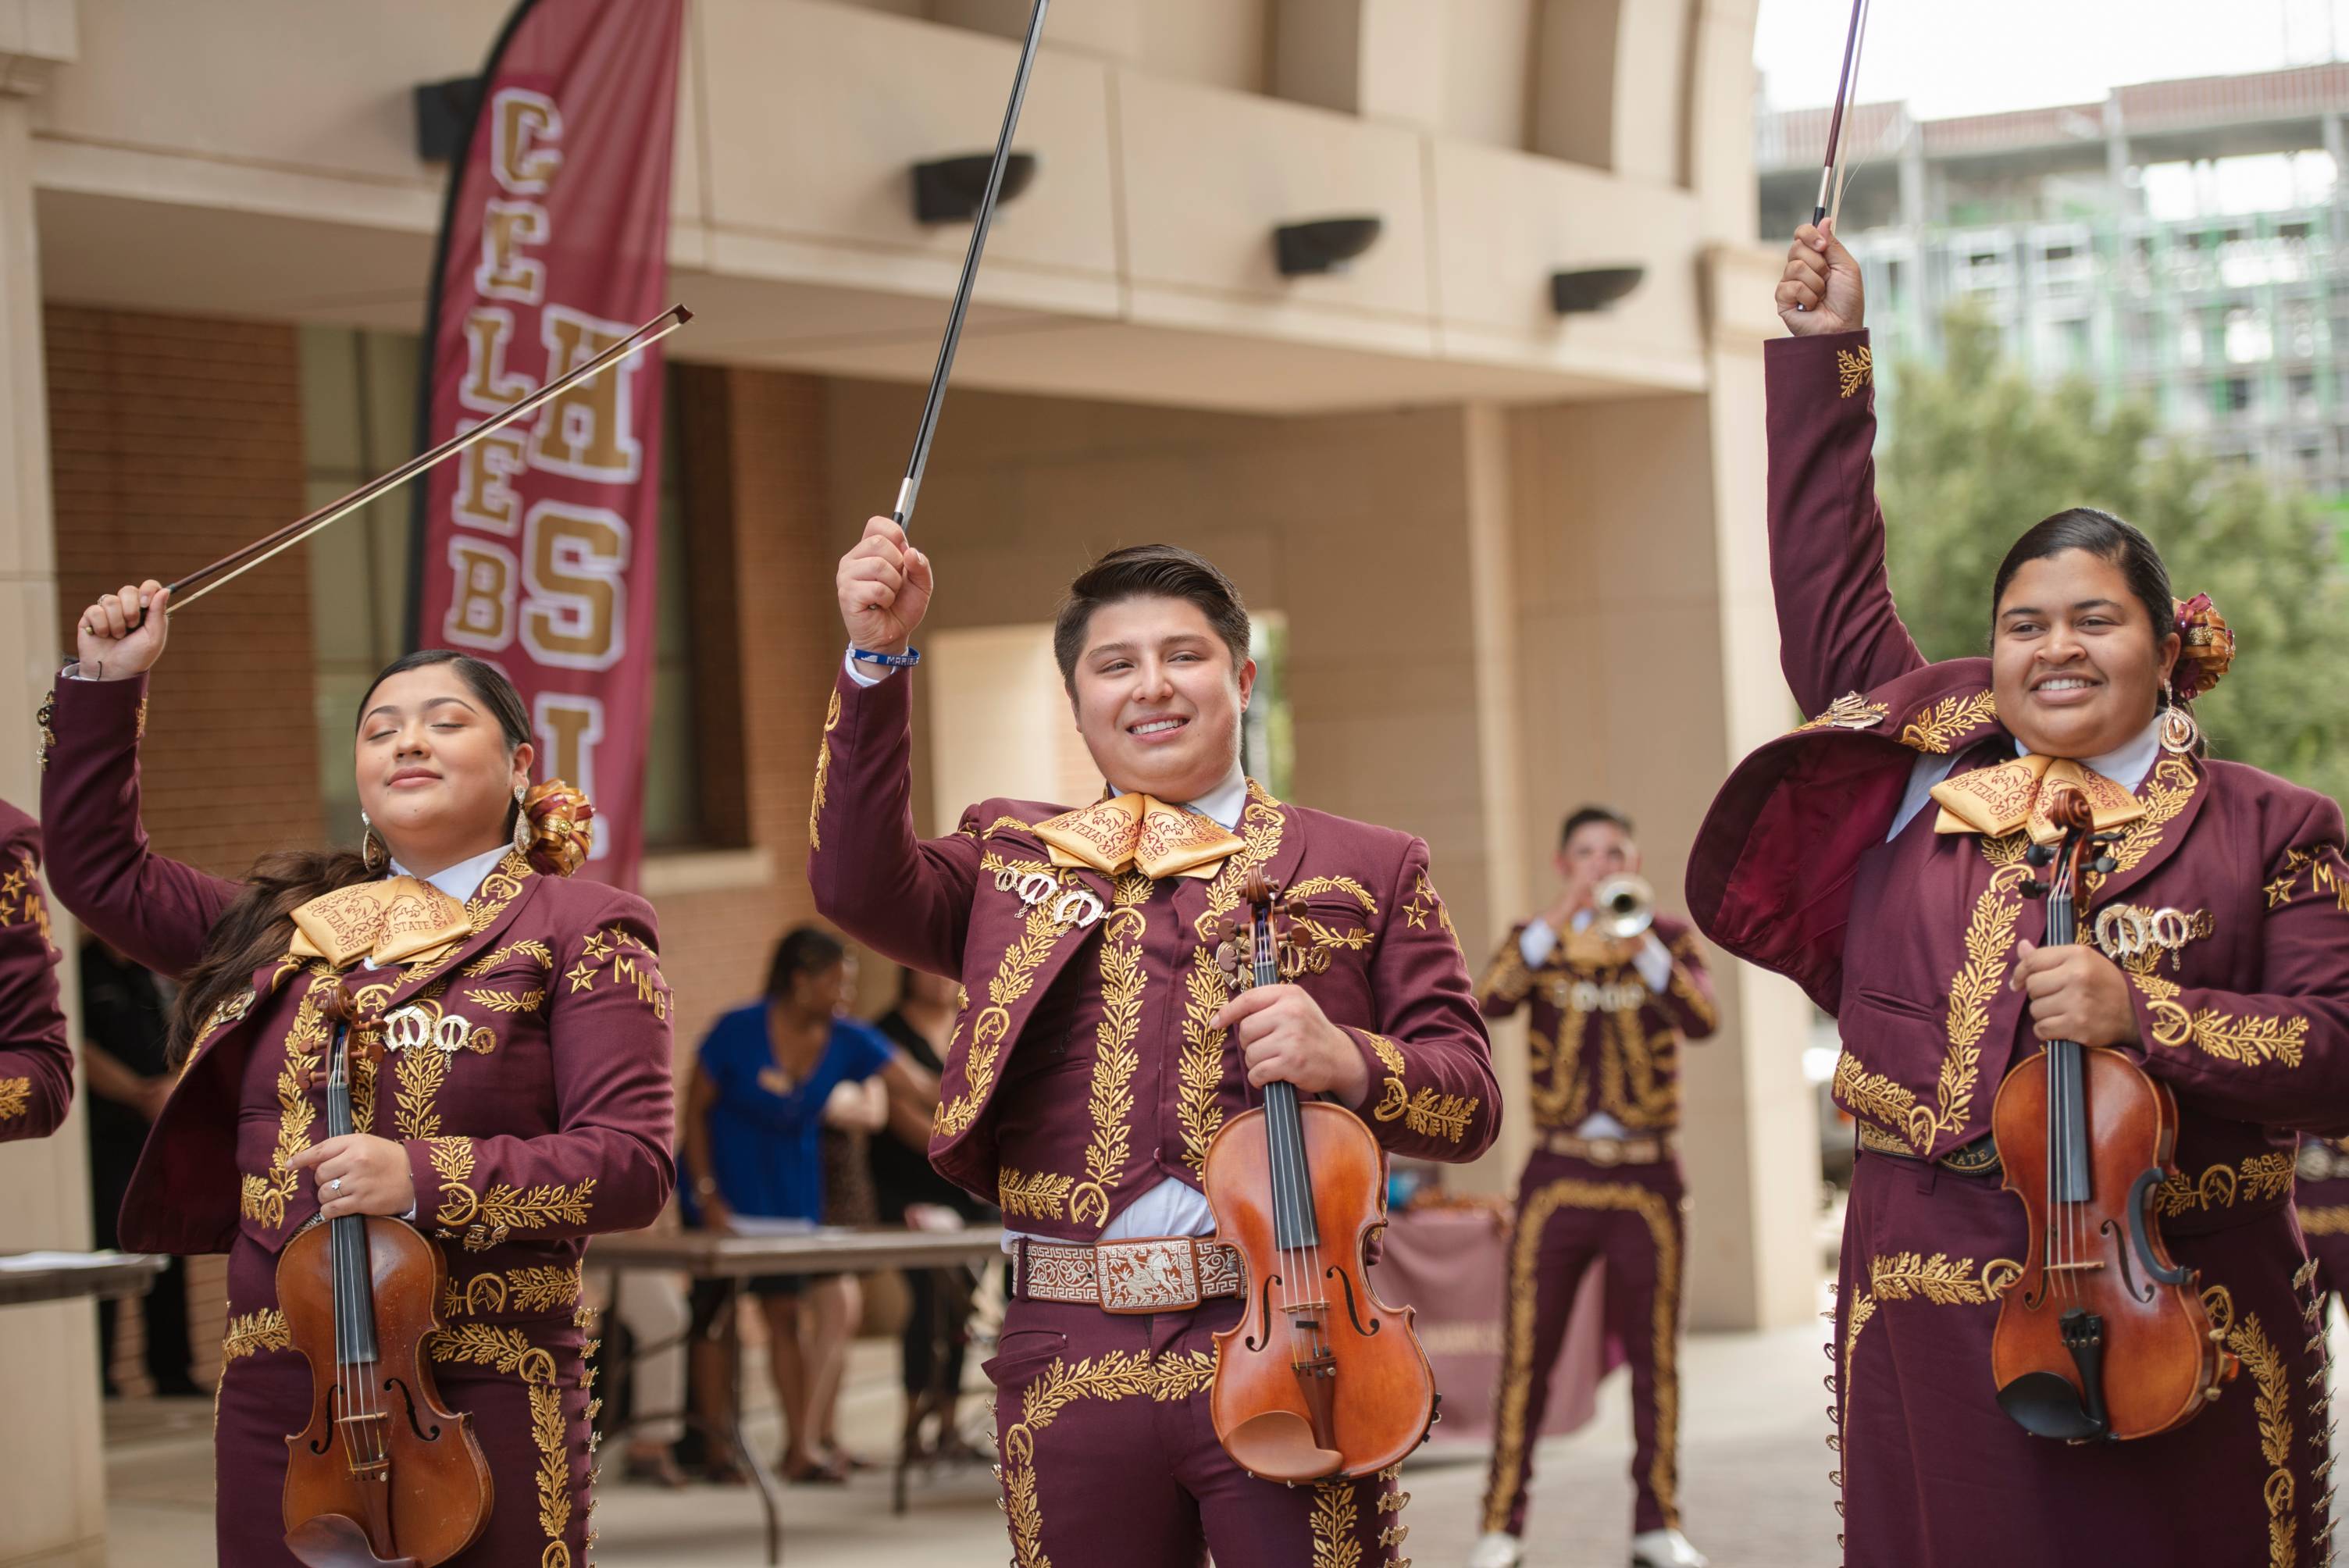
(336, 1185)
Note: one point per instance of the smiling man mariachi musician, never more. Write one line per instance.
(1102, 1047)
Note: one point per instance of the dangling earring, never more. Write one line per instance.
(522, 828)
(2180, 736)
(373, 852)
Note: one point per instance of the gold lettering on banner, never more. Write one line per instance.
(574, 575)
(485, 499)
(481, 596)
(525, 127)
(505, 273)
(589, 431)
(489, 388)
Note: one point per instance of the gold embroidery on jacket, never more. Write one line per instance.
(1855, 368)
(2259, 1177)
(262, 1198)
(2272, 1404)
(1335, 1520)
(1115, 1060)
(251, 1333)
(1849, 711)
(536, 951)
(1517, 1345)
(1935, 1281)
(2325, 1220)
(1939, 727)
(1117, 1375)
(1505, 978)
(418, 1074)
(1424, 903)
(2248, 1040)
(541, 1288)
(992, 1025)
(2166, 790)
(16, 1097)
(823, 770)
(1989, 942)
(1040, 1196)
(1428, 1113)
(1200, 1068)
(1684, 985)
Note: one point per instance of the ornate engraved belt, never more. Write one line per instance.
(1652, 1150)
(1975, 1159)
(1159, 1274)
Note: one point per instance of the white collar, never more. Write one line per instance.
(462, 881)
(1225, 802)
(2127, 763)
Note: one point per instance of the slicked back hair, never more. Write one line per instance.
(1149, 572)
(1586, 815)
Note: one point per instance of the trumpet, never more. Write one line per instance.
(1626, 906)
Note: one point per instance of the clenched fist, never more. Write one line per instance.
(1820, 291)
(884, 589)
(122, 635)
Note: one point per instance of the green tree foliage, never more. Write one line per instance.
(1977, 454)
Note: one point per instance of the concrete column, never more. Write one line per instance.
(55, 1511)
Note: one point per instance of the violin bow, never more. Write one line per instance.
(911, 485)
(237, 563)
(1830, 198)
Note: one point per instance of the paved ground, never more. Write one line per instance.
(1754, 1470)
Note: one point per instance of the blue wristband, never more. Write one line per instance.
(904, 661)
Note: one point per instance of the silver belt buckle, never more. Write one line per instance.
(1603, 1152)
(1134, 1278)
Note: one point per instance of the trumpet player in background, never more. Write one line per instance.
(1614, 988)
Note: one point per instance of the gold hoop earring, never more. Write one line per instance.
(2180, 736)
(523, 831)
(373, 852)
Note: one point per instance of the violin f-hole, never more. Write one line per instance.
(1263, 1336)
(408, 1396)
(1339, 1273)
(331, 1425)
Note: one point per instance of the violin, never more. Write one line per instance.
(2101, 1337)
(1320, 1379)
(384, 1474)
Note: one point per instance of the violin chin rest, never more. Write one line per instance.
(333, 1540)
(2047, 1405)
(1278, 1445)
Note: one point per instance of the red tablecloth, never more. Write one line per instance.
(1452, 1265)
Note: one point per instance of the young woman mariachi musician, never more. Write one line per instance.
(497, 1035)
(1886, 855)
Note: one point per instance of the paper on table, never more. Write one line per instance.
(26, 1263)
(769, 1225)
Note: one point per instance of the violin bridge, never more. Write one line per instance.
(2073, 1268)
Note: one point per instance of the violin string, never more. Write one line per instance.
(1261, 965)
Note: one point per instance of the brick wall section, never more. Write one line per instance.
(173, 440)
(786, 633)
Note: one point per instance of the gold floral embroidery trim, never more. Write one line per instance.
(1989, 942)
(822, 772)
(992, 1025)
(1118, 1374)
(16, 1097)
(2251, 1041)
(510, 1351)
(1199, 1071)
(2259, 1177)
(2167, 791)
(1115, 1060)
(2272, 1404)
(2325, 1220)
(1939, 727)
(1935, 1281)
(1428, 1113)
(417, 1076)
(1039, 1196)
(1849, 711)
(1505, 979)
(262, 1198)
(541, 1288)
(251, 1333)
(533, 949)
(1335, 1518)
(1561, 1093)
(1517, 1351)
(1855, 368)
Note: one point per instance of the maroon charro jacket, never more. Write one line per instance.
(36, 1055)
(1909, 943)
(1600, 1039)
(528, 1073)
(1082, 1071)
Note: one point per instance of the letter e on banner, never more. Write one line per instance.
(574, 571)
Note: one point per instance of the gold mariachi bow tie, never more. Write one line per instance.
(1141, 831)
(1995, 802)
(399, 919)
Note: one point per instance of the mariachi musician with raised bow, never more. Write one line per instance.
(1883, 856)
(35, 1056)
(1102, 1046)
(510, 1087)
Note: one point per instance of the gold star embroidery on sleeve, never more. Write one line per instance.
(599, 946)
(582, 977)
